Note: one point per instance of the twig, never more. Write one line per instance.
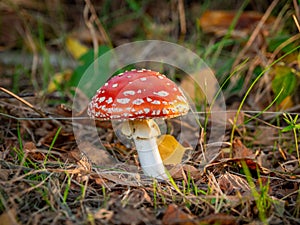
(94, 19)
(41, 113)
(296, 22)
(182, 17)
(255, 33)
(297, 12)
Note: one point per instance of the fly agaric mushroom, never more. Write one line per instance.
(136, 97)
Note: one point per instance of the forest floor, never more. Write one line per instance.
(248, 175)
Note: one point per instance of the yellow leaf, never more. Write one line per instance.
(171, 151)
(75, 47)
(286, 103)
(58, 79)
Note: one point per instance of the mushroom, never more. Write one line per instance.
(136, 97)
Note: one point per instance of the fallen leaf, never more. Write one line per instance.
(286, 103)
(218, 218)
(9, 217)
(182, 171)
(231, 183)
(173, 215)
(58, 80)
(170, 150)
(219, 21)
(32, 152)
(240, 150)
(75, 47)
(284, 83)
(95, 155)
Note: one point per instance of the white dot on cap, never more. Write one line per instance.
(109, 100)
(101, 99)
(115, 116)
(155, 112)
(138, 101)
(139, 112)
(149, 99)
(123, 100)
(129, 92)
(155, 102)
(115, 85)
(161, 93)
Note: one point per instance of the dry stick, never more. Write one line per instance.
(297, 11)
(296, 22)
(89, 23)
(182, 18)
(23, 101)
(255, 33)
(95, 19)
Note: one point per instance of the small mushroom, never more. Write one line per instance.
(137, 97)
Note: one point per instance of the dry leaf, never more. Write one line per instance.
(240, 150)
(286, 103)
(231, 183)
(32, 152)
(96, 155)
(9, 217)
(59, 79)
(75, 47)
(171, 151)
(219, 21)
(174, 215)
(182, 171)
(218, 218)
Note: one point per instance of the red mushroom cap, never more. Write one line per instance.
(138, 94)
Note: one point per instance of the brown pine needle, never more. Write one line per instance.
(296, 22)
(23, 101)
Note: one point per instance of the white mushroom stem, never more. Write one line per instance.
(144, 133)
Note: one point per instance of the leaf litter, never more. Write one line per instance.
(106, 186)
(46, 177)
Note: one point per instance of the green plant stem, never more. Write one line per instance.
(234, 126)
(52, 144)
